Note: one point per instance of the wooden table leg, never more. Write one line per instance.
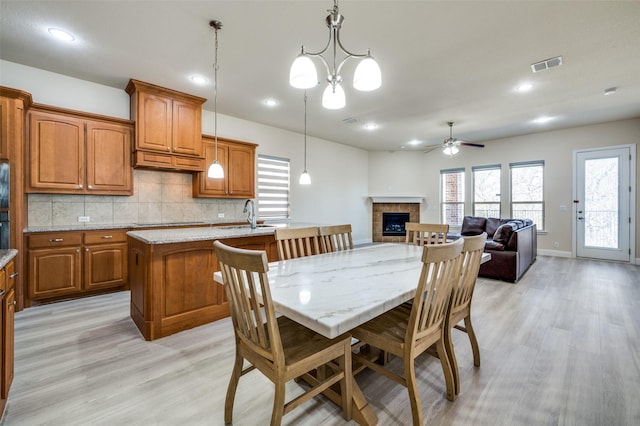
(362, 412)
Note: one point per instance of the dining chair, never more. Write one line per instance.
(460, 302)
(335, 238)
(426, 233)
(278, 347)
(409, 330)
(297, 242)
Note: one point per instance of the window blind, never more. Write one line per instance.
(273, 187)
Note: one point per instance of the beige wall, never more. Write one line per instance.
(556, 148)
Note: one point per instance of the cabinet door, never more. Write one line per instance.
(241, 171)
(56, 152)
(187, 129)
(109, 158)
(204, 186)
(105, 265)
(153, 125)
(8, 308)
(54, 272)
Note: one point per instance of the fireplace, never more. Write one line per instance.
(393, 223)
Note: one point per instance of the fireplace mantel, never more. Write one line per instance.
(396, 199)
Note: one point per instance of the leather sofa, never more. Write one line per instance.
(511, 242)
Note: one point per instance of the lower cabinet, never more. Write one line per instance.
(8, 303)
(172, 287)
(75, 262)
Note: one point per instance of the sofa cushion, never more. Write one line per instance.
(493, 246)
(492, 224)
(503, 233)
(472, 225)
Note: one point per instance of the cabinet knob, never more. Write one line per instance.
(56, 240)
(168, 148)
(15, 274)
(90, 186)
(77, 250)
(86, 249)
(107, 237)
(80, 186)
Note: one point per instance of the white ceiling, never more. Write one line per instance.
(441, 60)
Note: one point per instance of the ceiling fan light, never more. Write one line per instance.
(215, 171)
(367, 76)
(450, 150)
(333, 97)
(303, 74)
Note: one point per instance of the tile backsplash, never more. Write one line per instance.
(158, 197)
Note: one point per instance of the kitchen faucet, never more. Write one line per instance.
(251, 218)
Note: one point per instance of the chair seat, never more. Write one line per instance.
(300, 343)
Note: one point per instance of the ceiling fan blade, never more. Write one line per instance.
(479, 145)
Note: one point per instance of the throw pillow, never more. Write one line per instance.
(472, 225)
(503, 233)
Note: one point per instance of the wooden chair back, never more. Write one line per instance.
(297, 242)
(335, 238)
(244, 273)
(422, 234)
(440, 269)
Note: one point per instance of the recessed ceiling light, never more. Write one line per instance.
(371, 126)
(610, 91)
(414, 142)
(543, 120)
(524, 87)
(61, 34)
(198, 79)
(270, 102)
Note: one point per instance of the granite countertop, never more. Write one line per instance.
(181, 235)
(6, 256)
(95, 226)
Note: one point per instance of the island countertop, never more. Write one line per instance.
(181, 235)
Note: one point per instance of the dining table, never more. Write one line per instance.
(333, 293)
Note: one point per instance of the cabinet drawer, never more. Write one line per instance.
(105, 236)
(54, 239)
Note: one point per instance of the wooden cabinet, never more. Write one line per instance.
(168, 127)
(237, 160)
(75, 262)
(8, 304)
(71, 154)
(5, 127)
(172, 287)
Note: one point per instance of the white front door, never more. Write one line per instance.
(602, 204)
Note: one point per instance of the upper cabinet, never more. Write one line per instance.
(168, 127)
(237, 160)
(77, 154)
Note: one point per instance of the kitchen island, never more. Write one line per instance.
(171, 274)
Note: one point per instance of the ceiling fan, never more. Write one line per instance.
(451, 144)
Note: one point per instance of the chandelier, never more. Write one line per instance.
(303, 74)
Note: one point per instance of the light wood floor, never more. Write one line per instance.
(562, 346)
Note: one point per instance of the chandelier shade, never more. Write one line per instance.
(303, 74)
(333, 97)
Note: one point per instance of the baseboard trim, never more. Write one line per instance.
(555, 253)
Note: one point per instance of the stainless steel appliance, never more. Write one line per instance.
(4, 206)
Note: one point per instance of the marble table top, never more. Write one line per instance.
(335, 292)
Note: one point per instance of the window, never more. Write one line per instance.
(527, 191)
(452, 196)
(273, 187)
(486, 191)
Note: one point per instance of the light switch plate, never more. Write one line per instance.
(220, 215)
(83, 218)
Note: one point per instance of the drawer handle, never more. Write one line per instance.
(107, 237)
(15, 274)
(56, 240)
(2, 293)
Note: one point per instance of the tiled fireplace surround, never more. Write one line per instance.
(413, 208)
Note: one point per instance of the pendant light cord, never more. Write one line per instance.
(216, 25)
(305, 131)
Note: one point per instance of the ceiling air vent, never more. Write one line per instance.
(546, 64)
(350, 120)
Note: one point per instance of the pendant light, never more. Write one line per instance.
(303, 73)
(215, 169)
(305, 179)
